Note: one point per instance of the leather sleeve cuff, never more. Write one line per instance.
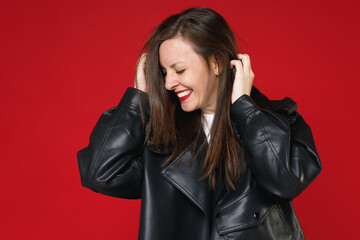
(242, 107)
(133, 98)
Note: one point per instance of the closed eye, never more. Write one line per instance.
(177, 72)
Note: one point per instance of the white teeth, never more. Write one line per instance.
(184, 93)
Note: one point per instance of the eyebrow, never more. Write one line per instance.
(172, 65)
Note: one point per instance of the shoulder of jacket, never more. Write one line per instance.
(287, 104)
(286, 107)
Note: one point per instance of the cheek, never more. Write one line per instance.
(198, 81)
(203, 82)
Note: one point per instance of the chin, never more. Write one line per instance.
(187, 108)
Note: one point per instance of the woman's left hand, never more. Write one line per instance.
(244, 76)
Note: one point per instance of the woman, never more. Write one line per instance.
(208, 154)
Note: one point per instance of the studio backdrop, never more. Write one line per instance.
(64, 62)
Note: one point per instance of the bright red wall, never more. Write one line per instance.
(62, 63)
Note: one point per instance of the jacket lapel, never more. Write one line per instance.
(188, 178)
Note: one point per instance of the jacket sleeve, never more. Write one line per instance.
(279, 145)
(111, 164)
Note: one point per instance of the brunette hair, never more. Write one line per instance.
(172, 128)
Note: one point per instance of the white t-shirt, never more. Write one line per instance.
(207, 122)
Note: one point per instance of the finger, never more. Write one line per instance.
(140, 68)
(237, 64)
(245, 60)
(143, 59)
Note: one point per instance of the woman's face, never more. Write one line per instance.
(187, 74)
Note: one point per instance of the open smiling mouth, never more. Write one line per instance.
(183, 95)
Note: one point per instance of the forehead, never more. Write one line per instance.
(175, 50)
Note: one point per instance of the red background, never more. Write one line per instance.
(62, 63)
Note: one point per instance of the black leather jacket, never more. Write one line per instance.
(176, 204)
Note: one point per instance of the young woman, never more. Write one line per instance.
(209, 155)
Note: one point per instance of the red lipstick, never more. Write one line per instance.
(184, 94)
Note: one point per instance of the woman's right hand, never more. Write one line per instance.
(140, 81)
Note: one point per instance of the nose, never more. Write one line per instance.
(171, 82)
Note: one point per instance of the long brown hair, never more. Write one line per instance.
(169, 125)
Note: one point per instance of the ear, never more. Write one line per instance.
(215, 66)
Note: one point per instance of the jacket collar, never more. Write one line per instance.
(188, 178)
